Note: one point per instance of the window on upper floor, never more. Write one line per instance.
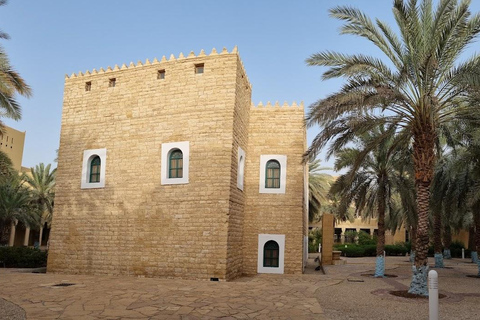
(175, 164)
(93, 168)
(95, 165)
(88, 86)
(112, 82)
(272, 174)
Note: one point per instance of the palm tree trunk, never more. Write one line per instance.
(437, 238)
(476, 214)
(40, 236)
(380, 261)
(413, 242)
(424, 162)
(447, 241)
(471, 243)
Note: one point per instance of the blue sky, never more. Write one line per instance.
(52, 38)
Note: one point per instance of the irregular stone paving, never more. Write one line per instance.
(346, 292)
(104, 297)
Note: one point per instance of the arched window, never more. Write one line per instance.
(271, 254)
(95, 166)
(175, 161)
(272, 174)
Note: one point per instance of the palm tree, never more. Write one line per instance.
(15, 205)
(11, 83)
(42, 183)
(370, 182)
(420, 90)
(318, 187)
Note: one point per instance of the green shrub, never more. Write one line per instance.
(365, 239)
(395, 250)
(314, 239)
(370, 250)
(23, 257)
(350, 236)
(408, 246)
(456, 250)
(457, 245)
(354, 250)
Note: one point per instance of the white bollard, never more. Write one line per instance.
(433, 295)
(463, 253)
(320, 247)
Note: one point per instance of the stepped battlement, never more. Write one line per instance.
(285, 105)
(155, 61)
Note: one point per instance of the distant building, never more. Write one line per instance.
(166, 168)
(12, 142)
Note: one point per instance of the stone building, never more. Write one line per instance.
(12, 142)
(166, 168)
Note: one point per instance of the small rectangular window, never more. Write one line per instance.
(111, 82)
(88, 86)
(199, 68)
(161, 74)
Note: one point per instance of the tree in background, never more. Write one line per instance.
(370, 181)
(318, 187)
(421, 89)
(15, 205)
(41, 181)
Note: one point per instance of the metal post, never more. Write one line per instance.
(463, 253)
(433, 295)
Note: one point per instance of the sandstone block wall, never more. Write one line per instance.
(135, 225)
(275, 130)
(207, 228)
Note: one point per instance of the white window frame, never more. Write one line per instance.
(280, 240)
(88, 156)
(183, 146)
(282, 160)
(240, 168)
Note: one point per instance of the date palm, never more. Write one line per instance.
(11, 83)
(42, 184)
(419, 89)
(370, 182)
(318, 187)
(15, 205)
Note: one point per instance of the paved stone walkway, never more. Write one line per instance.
(103, 297)
(345, 292)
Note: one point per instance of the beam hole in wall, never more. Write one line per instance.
(161, 74)
(199, 68)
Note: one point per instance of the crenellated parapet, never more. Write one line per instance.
(285, 105)
(155, 61)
